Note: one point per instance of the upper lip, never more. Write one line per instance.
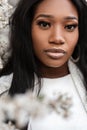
(55, 50)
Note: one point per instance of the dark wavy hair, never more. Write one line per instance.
(22, 61)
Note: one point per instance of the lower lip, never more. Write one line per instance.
(55, 55)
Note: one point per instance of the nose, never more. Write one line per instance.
(57, 36)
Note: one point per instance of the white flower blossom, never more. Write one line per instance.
(22, 106)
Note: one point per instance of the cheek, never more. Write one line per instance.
(39, 39)
(37, 43)
(73, 42)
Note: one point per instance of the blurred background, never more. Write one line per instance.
(13, 2)
(6, 9)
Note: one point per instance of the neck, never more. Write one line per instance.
(50, 72)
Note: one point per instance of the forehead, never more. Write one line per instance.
(57, 7)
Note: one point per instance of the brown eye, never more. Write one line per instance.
(44, 25)
(71, 27)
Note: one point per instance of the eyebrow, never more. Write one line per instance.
(45, 16)
(71, 18)
(50, 16)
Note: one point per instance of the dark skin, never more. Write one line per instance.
(55, 35)
(49, 72)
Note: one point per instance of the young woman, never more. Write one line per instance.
(49, 46)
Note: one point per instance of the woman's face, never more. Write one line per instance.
(55, 32)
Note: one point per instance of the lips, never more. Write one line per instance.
(54, 53)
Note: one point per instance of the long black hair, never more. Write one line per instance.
(22, 61)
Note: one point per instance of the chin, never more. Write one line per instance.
(53, 66)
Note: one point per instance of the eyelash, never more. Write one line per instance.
(46, 25)
(71, 27)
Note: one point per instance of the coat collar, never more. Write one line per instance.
(78, 80)
(5, 83)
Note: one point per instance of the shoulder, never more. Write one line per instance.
(74, 70)
(5, 83)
